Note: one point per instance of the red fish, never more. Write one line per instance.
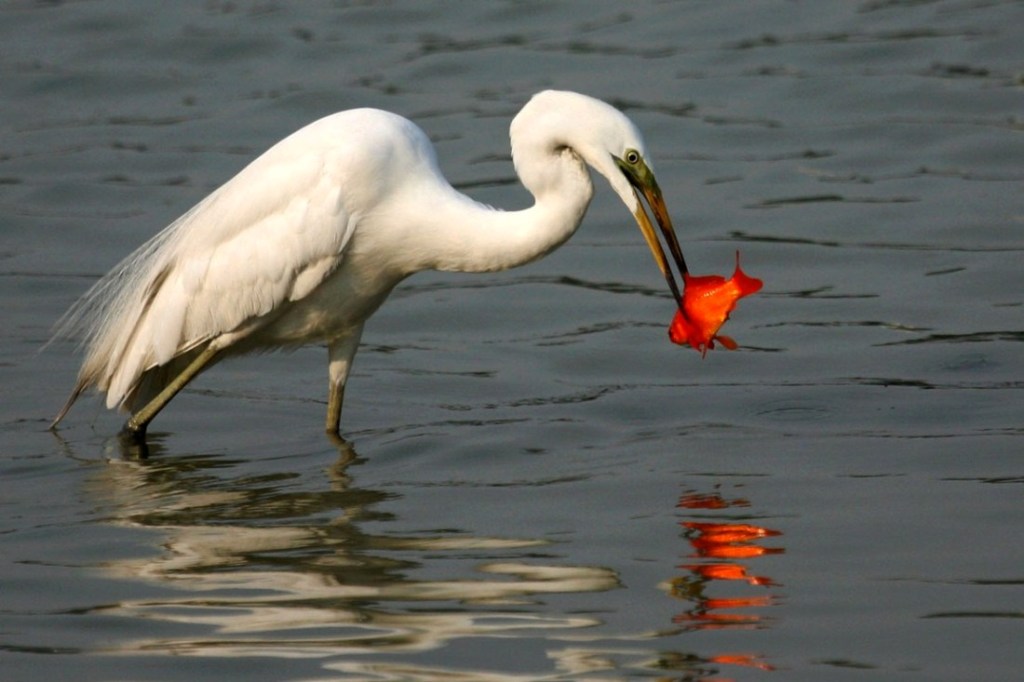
(707, 302)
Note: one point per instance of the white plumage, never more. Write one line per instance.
(308, 240)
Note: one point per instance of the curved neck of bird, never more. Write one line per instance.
(471, 237)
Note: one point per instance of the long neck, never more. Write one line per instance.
(460, 234)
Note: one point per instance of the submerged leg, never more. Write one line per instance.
(340, 354)
(335, 399)
(137, 423)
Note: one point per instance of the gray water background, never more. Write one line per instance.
(544, 487)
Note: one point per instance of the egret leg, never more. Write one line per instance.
(137, 423)
(340, 353)
(335, 399)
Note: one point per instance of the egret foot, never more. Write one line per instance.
(133, 442)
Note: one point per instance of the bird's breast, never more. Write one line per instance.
(340, 304)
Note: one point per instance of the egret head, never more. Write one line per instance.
(604, 138)
(641, 180)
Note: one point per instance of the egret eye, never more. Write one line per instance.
(632, 157)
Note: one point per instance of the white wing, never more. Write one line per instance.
(267, 237)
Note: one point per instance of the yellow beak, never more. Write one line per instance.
(645, 187)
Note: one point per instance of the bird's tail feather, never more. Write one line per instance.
(151, 382)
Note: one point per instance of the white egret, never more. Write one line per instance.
(307, 241)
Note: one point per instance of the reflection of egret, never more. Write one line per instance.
(249, 566)
(306, 242)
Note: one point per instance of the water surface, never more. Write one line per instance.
(537, 484)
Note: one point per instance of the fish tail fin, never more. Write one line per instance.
(727, 341)
(747, 285)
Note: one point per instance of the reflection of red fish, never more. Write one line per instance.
(750, 660)
(710, 501)
(729, 532)
(727, 571)
(730, 540)
(707, 302)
